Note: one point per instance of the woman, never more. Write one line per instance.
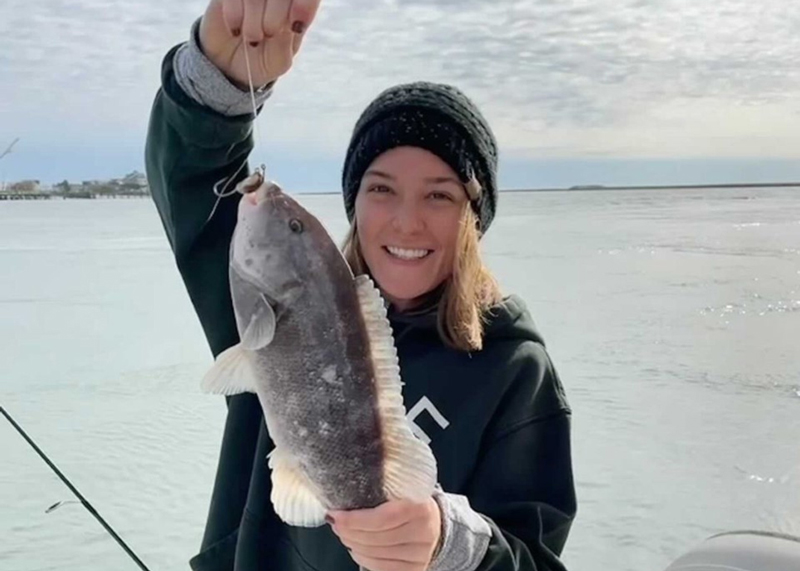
(419, 186)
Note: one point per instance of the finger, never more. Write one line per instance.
(276, 17)
(233, 15)
(388, 515)
(302, 14)
(400, 535)
(297, 41)
(253, 18)
(279, 55)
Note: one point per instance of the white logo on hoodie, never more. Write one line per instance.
(425, 404)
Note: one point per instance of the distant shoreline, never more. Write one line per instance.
(599, 187)
(5, 195)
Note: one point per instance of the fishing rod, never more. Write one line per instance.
(83, 500)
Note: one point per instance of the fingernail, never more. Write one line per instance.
(236, 32)
(298, 27)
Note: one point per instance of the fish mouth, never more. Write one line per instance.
(267, 191)
(272, 190)
(271, 193)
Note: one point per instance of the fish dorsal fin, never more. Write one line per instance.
(293, 494)
(410, 467)
(261, 329)
(230, 374)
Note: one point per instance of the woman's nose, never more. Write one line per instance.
(407, 218)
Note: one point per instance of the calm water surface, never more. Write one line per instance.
(673, 318)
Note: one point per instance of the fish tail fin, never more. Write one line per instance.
(410, 470)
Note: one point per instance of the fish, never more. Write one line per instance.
(316, 348)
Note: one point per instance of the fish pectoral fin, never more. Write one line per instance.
(230, 374)
(261, 329)
(410, 468)
(293, 495)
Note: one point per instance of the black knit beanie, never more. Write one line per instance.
(438, 118)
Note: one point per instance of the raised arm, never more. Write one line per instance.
(200, 133)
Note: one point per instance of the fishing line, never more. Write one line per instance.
(261, 170)
(72, 488)
(255, 113)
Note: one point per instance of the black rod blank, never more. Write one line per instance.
(72, 488)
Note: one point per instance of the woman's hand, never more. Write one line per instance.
(270, 30)
(398, 535)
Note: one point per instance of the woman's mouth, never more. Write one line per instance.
(408, 254)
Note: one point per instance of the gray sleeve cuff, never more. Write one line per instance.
(465, 535)
(207, 85)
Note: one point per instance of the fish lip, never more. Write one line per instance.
(267, 191)
(273, 190)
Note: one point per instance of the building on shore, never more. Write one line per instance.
(24, 186)
(132, 184)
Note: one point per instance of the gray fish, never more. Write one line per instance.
(317, 349)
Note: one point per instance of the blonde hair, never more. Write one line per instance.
(469, 292)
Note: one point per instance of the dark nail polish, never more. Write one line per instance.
(236, 32)
(298, 27)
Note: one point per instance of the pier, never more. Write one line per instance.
(8, 195)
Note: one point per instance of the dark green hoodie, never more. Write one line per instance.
(497, 420)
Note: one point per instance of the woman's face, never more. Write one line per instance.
(408, 211)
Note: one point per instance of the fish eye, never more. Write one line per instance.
(295, 226)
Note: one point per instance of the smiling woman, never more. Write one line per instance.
(414, 230)
(420, 190)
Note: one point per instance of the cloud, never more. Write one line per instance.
(581, 77)
(624, 78)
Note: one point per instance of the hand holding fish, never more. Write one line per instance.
(398, 535)
(271, 31)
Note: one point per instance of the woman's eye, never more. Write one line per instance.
(379, 188)
(440, 196)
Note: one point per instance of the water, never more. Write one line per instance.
(672, 316)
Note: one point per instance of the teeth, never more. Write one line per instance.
(407, 254)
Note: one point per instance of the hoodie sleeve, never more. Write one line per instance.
(206, 84)
(189, 148)
(522, 485)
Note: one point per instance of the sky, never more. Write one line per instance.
(612, 92)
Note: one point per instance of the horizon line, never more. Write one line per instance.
(598, 187)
